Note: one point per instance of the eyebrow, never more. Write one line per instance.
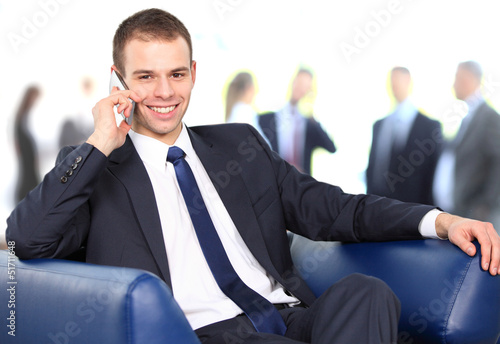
(147, 71)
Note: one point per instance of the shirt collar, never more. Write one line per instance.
(290, 112)
(154, 152)
(405, 111)
(184, 143)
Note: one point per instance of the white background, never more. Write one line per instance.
(72, 39)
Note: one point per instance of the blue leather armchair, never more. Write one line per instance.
(445, 296)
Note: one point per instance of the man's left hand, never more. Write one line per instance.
(462, 231)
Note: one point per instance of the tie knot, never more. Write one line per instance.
(174, 154)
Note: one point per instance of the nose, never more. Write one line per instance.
(163, 89)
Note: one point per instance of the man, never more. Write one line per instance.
(405, 148)
(467, 180)
(291, 134)
(221, 190)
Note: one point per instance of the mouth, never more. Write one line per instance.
(162, 109)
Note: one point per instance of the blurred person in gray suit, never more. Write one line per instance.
(468, 173)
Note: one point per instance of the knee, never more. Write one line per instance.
(366, 286)
(360, 281)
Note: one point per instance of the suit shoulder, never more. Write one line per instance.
(224, 131)
(267, 114)
(424, 121)
(265, 119)
(378, 122)
(489, 110)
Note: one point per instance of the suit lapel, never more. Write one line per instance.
(471, 126)
(413, 134)
(127, 166)
(234, 195)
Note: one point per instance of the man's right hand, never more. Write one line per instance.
(107, 136)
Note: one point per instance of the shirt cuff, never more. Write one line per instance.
(427, 226)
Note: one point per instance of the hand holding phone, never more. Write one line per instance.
(117, 81)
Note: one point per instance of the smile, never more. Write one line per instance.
(162, 109)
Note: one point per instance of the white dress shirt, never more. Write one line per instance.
(193, 285)
(290, 131)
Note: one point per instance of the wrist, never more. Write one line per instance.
(443, 223)
(97, 140)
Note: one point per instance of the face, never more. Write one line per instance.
(301, 87)
(400, 84)
(161, 73)
(465, 84)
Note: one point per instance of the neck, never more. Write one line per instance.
(168, 138)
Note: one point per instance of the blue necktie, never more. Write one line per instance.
(263, 315)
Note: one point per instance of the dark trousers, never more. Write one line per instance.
(356, 309)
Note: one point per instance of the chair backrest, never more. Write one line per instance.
(445, 296)
(66, 302)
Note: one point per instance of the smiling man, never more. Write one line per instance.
(149, 196)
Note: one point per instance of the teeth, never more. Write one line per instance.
(162, 109)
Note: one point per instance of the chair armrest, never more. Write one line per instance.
(445, 295)
(61, 301)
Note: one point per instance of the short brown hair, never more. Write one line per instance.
(401, 69)
(147, 25)
(473, 67)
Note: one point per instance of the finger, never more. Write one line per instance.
(123, 104)
(495, 251)
(127, 93)
(128, 110)
(124, 127)
(134, 96)
(463, 240)
(481, 234)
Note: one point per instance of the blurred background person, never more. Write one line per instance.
(77, 127)
(26, 150)
(405, 148)
(290, 133)
(467, 178)
(239, 101)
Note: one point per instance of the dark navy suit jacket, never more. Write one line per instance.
(411, 169)
(108, 206)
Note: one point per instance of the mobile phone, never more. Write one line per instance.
(117, 80)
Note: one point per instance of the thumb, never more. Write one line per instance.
(124, 127)
(465, 245)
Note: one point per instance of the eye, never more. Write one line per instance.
(177, 75)
(145, 77)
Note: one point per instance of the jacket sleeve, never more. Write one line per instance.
(321, 137)
(53, 219)
(321, 211)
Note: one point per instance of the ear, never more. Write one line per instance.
(113, 68)
(193, 71)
